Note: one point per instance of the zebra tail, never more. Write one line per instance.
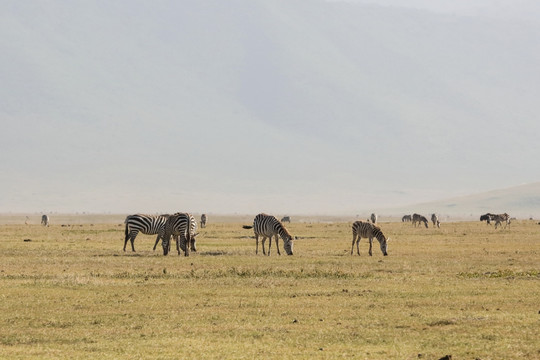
(247, 227)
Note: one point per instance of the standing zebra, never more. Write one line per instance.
(268, 226)
(183, 227)
(286, 219)
(147, 224)
(406, 218)
(374, 218)
(435, 220)
(44, 220)
(499, 218)
(417, 219)
(362, 229)
(203, 220)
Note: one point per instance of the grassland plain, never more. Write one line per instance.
(466, 289)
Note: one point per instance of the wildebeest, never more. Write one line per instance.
(406, 218)
(286, 219)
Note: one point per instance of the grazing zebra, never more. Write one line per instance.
(417, 219)
(368, 230)
(406, 218)
(183, 227)
(268, 226)
(435, 220)
(203, 220)
(499, 218)
(374, 218)
(44, 220)
(286, 219)
(147, 224)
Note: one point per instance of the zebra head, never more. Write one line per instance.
(384, 246)
(288, 244)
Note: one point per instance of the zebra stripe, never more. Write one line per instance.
(45, 220)
(147, 224)
(417, 219)
(268, 226)
(183, 227)
(368, 230)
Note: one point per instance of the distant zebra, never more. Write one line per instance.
(417, 219)
(435, 220)
(44, 220)
(147, 224)
(368, 230)
(203, 220)
(373, 218)
(286, 219)
(183, 227)
(499, 218)
(268, 226)
(406, 218)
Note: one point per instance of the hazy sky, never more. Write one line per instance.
(243, 106)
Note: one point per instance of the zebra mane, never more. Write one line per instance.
(283, 231)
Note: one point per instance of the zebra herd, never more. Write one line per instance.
(418, 219)
(183, 228)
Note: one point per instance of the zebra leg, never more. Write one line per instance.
(269, 244)
(262, 243)
(157, 242)
(256, 244)
(353, 241)
(277, 245)
(370, 245)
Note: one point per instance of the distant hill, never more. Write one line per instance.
(520, 201)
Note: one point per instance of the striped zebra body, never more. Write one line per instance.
(435, 220)
(406, 218)
(203, 220)
(417, 219)
(147, 224)
(45, 220)
(368, 230)
(373, 218)
(183, 227)
(500, 218)
(267, 226)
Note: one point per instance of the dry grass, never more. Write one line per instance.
(466, 290)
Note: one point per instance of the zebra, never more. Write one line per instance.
(147, 224)
(499, 218)
(286, 219)
(373, 218)
(368, 230)
(183, 227)
(417, 219)
(406, 218)
(203, 220)
(435, 220)
(45, 220)
(268, 226)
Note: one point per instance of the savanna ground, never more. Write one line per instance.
(464, 290)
